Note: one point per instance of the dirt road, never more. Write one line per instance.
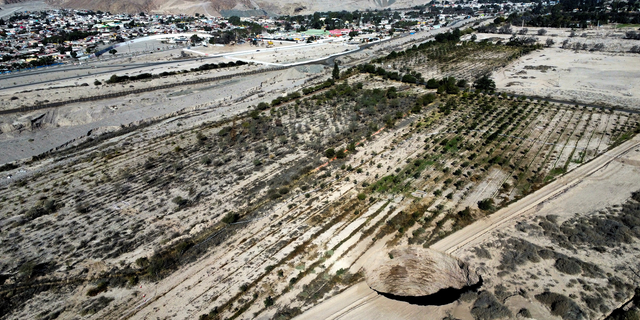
(360, 301)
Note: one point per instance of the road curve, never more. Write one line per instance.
(360, 295)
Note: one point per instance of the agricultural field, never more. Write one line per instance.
(268, 213)
(466, 60)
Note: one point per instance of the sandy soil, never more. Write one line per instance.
(9, 9)
(585, 77)
(316, 226)
(292, 54)
(615, 174)
(71, 122)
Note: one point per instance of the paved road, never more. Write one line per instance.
(360, 299)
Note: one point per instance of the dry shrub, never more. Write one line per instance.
(487, 307)
(525, 313)
(481, 252)
(469, 296)
(568, 266)
(518, 252)
(94, 305)
(561, 306)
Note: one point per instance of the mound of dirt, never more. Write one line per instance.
(412, 271)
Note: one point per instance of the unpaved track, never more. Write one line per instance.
(563, 184)
(359, 300)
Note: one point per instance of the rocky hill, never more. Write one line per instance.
(232, 7)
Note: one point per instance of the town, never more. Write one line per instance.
(53, 37)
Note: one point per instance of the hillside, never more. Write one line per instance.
(232, 7)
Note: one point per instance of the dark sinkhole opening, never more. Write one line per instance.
(440, 298)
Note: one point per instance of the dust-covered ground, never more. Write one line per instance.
(264, 205)
(599, 78)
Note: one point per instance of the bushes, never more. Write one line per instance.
(524, 312)
(8, 166)
(561, 305)
(43, 207)
(82, 208)
(469, 296)
(432, 84)
(485, 204)
(518, 252)
(101, 287)
(634, 35)
(205, 160)
(319, 87)
(231, 217)
(268, 302)
(481, 252)
(287, 98)
(208, 66)
(211, 66)
(463, 217)
(445, 85)
(181, 202)
(117, 79)
(568, 266)
(487, 307)
(426, 99)
(330, 153)
(93, 306)
(485, 83)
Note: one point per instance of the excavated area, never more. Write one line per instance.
(420, 276)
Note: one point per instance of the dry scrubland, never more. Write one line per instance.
(25, 135)
(597, 78)
(236, 205)
(593, 66)
(83, 86)
(204, 216)
(563, 254)
(574, 257)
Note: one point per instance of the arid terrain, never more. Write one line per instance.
(210, 8)
(536, 255)
(261, 192)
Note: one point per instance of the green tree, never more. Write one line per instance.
(329, 153)
(485, 83)
(340, 154)
(485, 204)
(433, 84)
(268, 302)
(235, 20)
(336, 71)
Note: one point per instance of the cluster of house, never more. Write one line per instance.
(35, 39)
